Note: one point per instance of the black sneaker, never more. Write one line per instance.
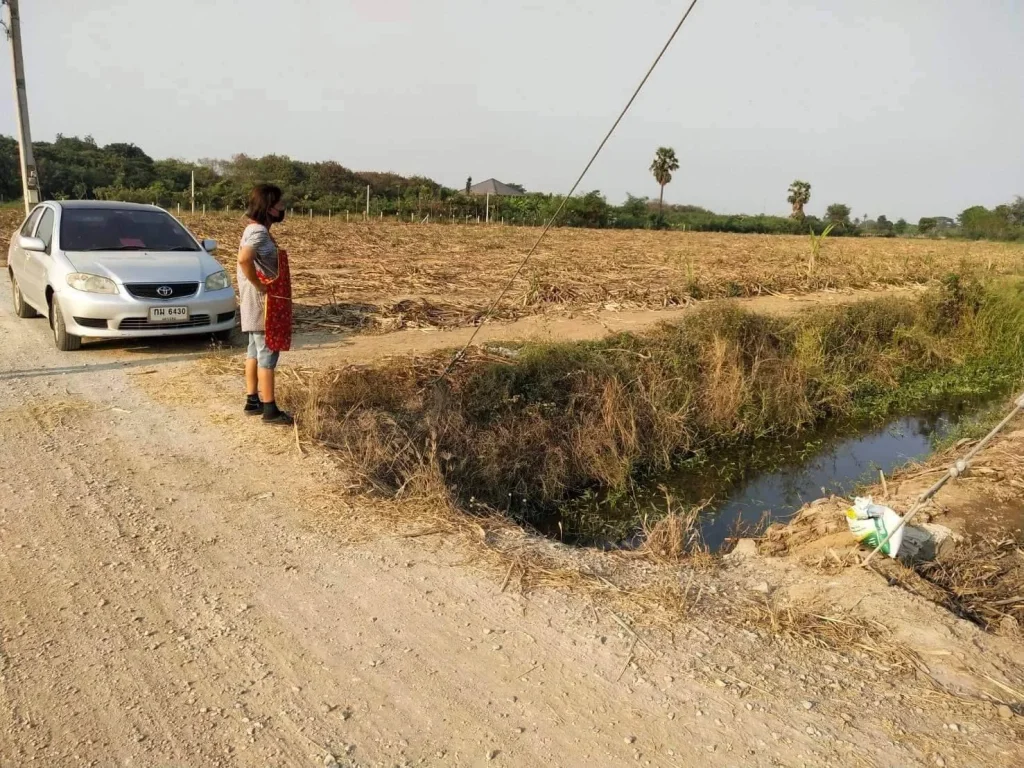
(279, 419)
(254, 409)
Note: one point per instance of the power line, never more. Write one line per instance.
(458, 356)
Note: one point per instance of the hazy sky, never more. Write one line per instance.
(901, 107)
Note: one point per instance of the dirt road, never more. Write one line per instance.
(320, 349)
(174, 591)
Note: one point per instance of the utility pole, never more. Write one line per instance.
(193, 193)
(367, 202)
(29, 174)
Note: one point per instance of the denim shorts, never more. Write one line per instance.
(259, 352)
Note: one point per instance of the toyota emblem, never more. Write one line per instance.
(165, 291)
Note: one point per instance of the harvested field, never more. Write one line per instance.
(384, 276)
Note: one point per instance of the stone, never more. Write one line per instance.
(1009, 627)
(745, 548)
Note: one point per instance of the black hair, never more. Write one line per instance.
(262, 198)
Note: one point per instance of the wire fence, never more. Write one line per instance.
(430, 215)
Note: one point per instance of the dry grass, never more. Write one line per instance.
(982, 580)
(653, 592)
(672, 537)
(819, 627)
(675, 535)
(54, 414)
(384, 276)
(585, 416)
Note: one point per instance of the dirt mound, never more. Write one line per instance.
(977, 571)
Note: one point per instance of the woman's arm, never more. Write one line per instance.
(247, 261)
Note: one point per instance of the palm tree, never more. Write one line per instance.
(665, 163)
(799, 196)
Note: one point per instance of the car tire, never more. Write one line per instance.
(21, 309)
(66, 342)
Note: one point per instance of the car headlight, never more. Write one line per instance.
(91, 283)
(218, 281)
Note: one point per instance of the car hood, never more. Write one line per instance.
(145, 266)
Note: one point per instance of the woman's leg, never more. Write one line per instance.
(251, 379)
(266, 384)
(267, 361)
(252, 400)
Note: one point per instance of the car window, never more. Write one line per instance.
(122, 229)
(45, 230)
(30, 222)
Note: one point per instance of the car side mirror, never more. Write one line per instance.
(209, 246)
(31, 244)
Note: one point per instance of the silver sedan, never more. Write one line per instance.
(116, 270)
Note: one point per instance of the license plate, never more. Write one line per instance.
(168, 314)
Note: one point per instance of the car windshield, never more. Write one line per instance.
(115, 229)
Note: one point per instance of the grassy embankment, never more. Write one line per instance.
(526, 431)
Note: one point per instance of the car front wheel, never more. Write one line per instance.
(21, 309)
(66, 342)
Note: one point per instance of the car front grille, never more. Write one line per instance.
(143, 324)
(153, 290)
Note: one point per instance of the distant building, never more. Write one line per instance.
(495, 188)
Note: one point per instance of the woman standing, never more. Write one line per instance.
(264, 294)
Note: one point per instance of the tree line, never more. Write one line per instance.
(79, 168)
